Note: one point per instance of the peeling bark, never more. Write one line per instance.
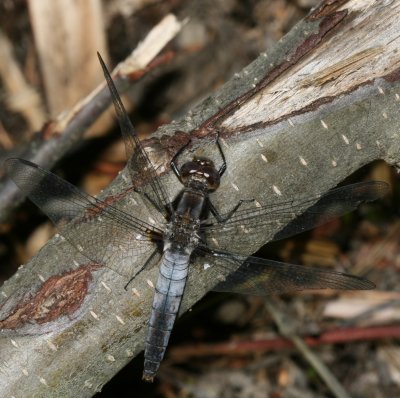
(310, 130)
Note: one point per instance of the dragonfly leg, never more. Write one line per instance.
(222, 169)
(148, 261)
(173, 164)
(226, 217)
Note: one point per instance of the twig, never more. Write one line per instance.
(370, 312)
(20, 96)
(329, 378)
(5, 140)
(246, 347)
(66, 50)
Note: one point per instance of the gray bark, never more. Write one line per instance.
(329, 106)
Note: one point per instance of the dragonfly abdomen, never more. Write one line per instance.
(167, 299)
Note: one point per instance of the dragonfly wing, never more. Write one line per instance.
(97, 229)
(139, 165)
(262, 277)
(256, 225)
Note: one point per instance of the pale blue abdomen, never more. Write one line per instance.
(167, 299)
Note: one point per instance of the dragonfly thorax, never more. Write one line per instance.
(200, 173)
(182, 234)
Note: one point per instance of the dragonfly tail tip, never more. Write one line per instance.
(148, 377)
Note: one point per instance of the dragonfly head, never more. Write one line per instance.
(200, 170)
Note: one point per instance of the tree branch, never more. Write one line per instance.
(323, 103)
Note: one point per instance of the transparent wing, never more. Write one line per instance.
(139, 165)
(97, 229)
(262, 277)
(258, 225)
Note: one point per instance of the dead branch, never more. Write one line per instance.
(250, 347)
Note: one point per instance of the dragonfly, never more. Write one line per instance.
(189, 228)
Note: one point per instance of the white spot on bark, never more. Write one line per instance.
(224, 143)
(276, 190)
(260, 143)
(106, 286)
(25, 371)
(75, 263)
(244, 229)
(43, 381)
(264, 158)
(51, 345)
(206, 266)
(14, 343)
(120, 320)
(215, 241)
(384, 114)
(334, 163)
(152, 220)
(80, 248)
(258, 204)
(41, 277)
(303, 161)
(324, 125)
(290, 122)
(150, 283)
(4, 294)
(94, 315)
(380, 89)
(235, 186)
(129, 353)
(358, 146)
(397, 97)
(345, 139)
(135, 292)
(88, 384)
(110, 358)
